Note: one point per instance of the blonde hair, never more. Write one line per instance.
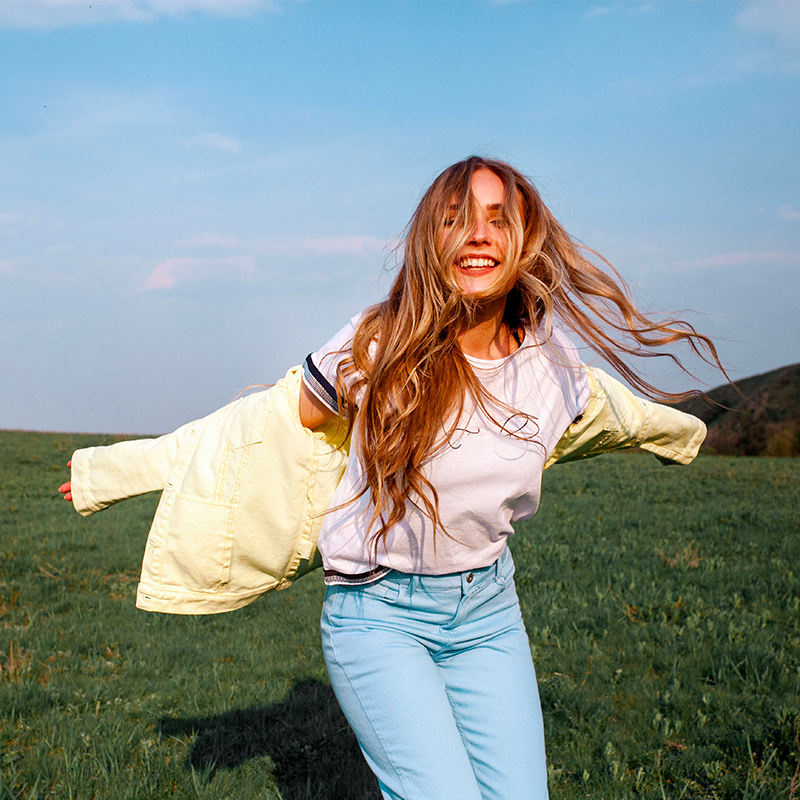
(407, 368)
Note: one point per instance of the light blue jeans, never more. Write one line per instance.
(435, 676)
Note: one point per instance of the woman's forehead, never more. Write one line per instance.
(487, 190)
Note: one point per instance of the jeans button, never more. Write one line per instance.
(470, 577)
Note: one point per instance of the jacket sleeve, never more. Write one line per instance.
(102, 476)
(615, 419)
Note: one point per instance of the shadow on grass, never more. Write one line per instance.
(314, 751)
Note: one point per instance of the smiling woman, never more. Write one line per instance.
(456, 392)
(483, 255)
(486, 268)
(457, 389)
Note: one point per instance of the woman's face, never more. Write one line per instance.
(480, 261)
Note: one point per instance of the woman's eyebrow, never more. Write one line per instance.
(492, 207)
(454, 208)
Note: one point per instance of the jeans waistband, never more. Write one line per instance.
(465, 581)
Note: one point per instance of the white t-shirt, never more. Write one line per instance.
(485, 478)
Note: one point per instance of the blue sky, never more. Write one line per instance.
(196, 193)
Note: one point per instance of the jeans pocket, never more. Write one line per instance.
(332, 605)
(387, 591)
(505, 569)
(344, 605)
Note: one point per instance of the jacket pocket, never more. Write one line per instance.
(197, 551)
(246, 419)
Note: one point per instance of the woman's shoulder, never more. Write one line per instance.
(555, 361)
(552, 344)
(342, 339)
(321, 368)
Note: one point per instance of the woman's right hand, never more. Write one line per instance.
(66, 488)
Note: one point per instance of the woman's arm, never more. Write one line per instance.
(102, 476)
(313, 412)
(615, 419)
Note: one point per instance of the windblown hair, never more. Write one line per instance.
(407, 370)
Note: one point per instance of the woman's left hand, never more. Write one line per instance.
(66, 488)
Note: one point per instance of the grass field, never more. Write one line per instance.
(663, 607)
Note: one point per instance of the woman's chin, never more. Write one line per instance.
(483, 288)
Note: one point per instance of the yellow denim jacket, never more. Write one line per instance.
(244, 489)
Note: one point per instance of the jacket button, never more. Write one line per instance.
(470, 577)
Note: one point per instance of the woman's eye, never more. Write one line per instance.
(499, 222)
(448, 223)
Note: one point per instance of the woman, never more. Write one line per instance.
(457, 388)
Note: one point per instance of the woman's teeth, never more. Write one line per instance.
(476, 263)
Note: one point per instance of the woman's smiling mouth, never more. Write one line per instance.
(477, 263)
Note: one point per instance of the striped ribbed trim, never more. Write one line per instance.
(320, 385)
(333, 578)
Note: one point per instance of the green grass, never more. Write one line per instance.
(663, 606)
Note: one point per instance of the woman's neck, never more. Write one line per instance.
(488, 338)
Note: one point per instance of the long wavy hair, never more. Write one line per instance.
(407, 374)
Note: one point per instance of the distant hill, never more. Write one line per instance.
(763, 422)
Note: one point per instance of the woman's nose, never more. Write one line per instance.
(481, 233)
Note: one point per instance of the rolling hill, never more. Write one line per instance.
(758, 416)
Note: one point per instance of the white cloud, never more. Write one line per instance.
(12, 217)
(59, 13)
(169, 273)
(778, 18)
(319, 245)
(787, 212)
(81, 112)
(6, 265)
(217, 141)
(781, 258)
(210, 240)
(626, 7)
(328, 245)
(183, 269)
(291, 245)
(14, 222)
